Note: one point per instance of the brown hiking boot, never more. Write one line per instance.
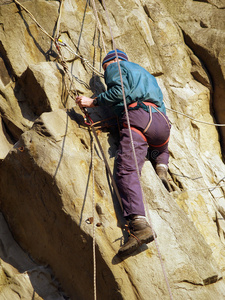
(140, 233)
(161, 171)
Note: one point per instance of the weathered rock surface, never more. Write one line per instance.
(45, 168)
(202, 23)
(20, 276)
(56, 146)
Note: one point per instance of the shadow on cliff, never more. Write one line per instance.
(112, 139)
(50, 52)
(53, 236)
(119, 259)
(15, 260)
(217, 84)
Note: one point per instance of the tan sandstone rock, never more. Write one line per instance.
(45, 169)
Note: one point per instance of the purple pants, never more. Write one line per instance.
(126, 175)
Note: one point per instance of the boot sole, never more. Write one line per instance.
(148, 240)
(135, 246)
(128, 251)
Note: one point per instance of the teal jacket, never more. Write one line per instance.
(139, 85)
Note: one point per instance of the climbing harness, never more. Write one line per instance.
(85, 61)
(73, 93)
(135, 158)
(137, 105)
(140, 104)
(135, 130)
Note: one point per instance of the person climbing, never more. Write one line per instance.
(150, 129)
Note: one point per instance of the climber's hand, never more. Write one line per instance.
(84, 101)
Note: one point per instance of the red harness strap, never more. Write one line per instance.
(161, 144)
(146, 103)
(136, 130)
(149, 123)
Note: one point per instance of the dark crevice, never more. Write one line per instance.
(39, 126)
(210, 3)
(28, 90)
(7, 64)
(192, 283)
(12, 130)
(203, 25)
(201, 74)
(100, 1)
(213, 69)
(176, 181)
(146, 9)
(84, 143)
(206, 281)
(211, 279)
(8, 134)
(205, 1)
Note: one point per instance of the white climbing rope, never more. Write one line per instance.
(93, 215)
(199, 121)
(99, 25)
(60, 42)
(86, 62)
(59, 20)
(33, 18)
(89, 65)
(210, 188)
(135, 158)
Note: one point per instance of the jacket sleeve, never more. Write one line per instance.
(114, 93)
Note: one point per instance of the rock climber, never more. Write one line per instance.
(150, 131)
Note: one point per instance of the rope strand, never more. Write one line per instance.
(60, 43)
(199, 121)
(72, 94)
(93, 214)
(33, 18)
(99, 25)
(59, 20)
(85, 61)
(133, 149)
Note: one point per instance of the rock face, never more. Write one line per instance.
(53, 179)
(20, 276)
(204, 32)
